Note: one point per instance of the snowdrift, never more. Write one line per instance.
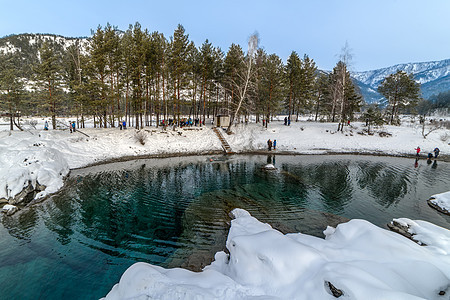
(356, 260)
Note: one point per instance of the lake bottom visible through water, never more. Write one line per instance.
(175, 212)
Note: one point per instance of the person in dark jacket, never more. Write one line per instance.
(436, 152)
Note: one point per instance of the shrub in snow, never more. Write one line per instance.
(140, 136)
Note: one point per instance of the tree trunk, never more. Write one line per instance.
(317, 108)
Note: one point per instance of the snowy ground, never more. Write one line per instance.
(357, 258)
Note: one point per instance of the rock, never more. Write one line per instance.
(334, 290)
(23, 196)
(27, 194)
(403, 230)
(437, 207)
(269, 167)
(9, 209)
(384, 134)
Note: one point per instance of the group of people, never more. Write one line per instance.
(271, 144)
(183, 122)
(287, 121)
(72, 126)
(430, 155)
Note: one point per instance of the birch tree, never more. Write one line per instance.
(242, 89)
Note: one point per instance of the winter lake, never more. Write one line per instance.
(174, 212)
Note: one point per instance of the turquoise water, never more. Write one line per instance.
(175, 212)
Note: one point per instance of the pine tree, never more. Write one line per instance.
(373, 116)
(322, 95)
(207, 71)
(194, 65)
(98, 75)
(307, 82)
(75, 78)
(49, 77)
(272, 85)
(293, 73)
(234, 67)
(11, 89)
(114, 60)
(137, 55)
(401, 90)
(219, 73)
(178, 65)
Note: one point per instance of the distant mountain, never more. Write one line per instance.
(434, 78)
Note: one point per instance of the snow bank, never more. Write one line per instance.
(442, 200)
(26, 165)
(356, 258)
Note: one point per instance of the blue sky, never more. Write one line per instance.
(380, 33)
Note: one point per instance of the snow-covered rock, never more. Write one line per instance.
(441, 202)
(9, 209)
(357, 259)
(269, 167)
(29, 167)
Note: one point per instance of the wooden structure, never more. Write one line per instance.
(222, 121)
(226, 147)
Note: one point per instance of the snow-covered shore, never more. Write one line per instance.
(41, 159)
(356, 260)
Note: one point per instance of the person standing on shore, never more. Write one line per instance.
(417, 151)
(269, 145)
(436, 152)
(274, 144)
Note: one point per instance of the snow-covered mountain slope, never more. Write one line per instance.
(24, 49)
(433, 76)
(31, 42)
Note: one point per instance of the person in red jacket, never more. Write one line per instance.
(417, 150)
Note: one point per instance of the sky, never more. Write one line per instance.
(379, 33)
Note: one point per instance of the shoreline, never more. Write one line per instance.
(444, 158)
